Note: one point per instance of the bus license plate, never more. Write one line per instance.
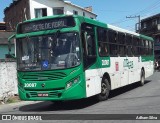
(42, 95)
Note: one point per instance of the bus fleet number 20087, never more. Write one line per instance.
(30, 85)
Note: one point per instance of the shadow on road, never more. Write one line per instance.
(67, 105)
(74, 105)
(125, 89)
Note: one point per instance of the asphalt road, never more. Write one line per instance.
(132, 99)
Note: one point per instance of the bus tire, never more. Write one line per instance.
(142, 78)
(105, 89)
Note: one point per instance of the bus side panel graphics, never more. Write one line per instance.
(128, 71)
(104, 62)
(124, 75)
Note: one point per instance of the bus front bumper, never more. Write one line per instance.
(75, 92)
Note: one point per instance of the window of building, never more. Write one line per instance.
(157, 41)
(75, 12)
(144, 25)
(40, 12)
(58, 11)
(154, 22)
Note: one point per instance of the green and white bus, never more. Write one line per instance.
(72, 57)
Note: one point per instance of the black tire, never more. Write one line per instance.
(105, 89)
(142, 78)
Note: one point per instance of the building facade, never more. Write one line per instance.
(151, 26)
(21, 10)
(2, 26)
(4, 44)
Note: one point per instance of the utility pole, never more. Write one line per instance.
(139, 21)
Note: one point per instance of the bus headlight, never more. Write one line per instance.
(68, 85)
(76, 80)
(72, 82)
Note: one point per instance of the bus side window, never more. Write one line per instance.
(122, 45)
(135, 45)
(88, 44)
(142, 47)
(129, 43)
(113, 46)
(147, 47)
(150, 48)
(102, 41)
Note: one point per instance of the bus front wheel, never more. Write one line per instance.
(105, 89)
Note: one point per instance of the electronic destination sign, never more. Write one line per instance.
(46, 24)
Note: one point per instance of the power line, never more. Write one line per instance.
(117, 11)
(121, 21)
(149, 8)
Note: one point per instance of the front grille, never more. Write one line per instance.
(41, 76)
(33, 94)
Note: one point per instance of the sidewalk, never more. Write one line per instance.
(17, 104)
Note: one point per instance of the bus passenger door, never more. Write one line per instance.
(93, 83)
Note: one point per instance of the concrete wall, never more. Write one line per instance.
(8, 79)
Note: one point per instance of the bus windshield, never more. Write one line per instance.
(57, 51)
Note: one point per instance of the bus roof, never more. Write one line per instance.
(101, 24)
(95, 22)
(130, 32)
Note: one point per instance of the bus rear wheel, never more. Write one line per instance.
(105, 89)
(142, 79)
